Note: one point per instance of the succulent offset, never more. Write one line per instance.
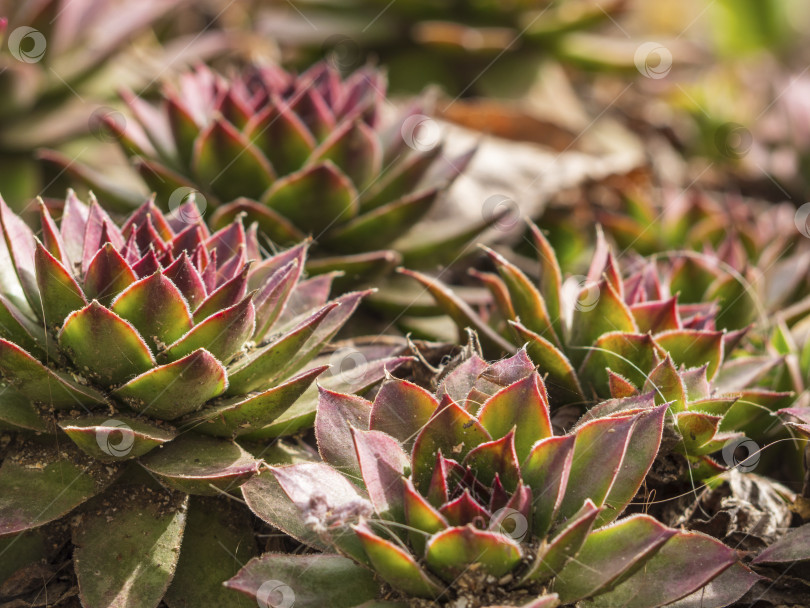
(156, 341)
(469, 495)
(302, 155)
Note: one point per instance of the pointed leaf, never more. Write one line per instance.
(383, 463)
(355, 149)
(306, 580)
(108, 439)
(398, 568)
(667, 384)
(315, 198)
(630, 355)
(591, 320)
(173, 390)
(792, 547)
(60, 293)
(452, 551)
(156, 308)
(523, 406)
(201, 465)
(693, 348)
(108, 274)
(495, 458)
(187, 279)
(610, 552)
(103, 345)
(282, 137)
(722, 591)
(401, 409)
(546, 472)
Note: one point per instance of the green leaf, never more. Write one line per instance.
(126, 550)
(306, 580)
(667, 384)
(217, 541)
(283, 138)
(450, 552)
(156, 308)
(107, 275)
(608, 553)
(397, 567)
(693, 348)
(108, 439)
(314, 199)
(103, 345)
(194, 464)
(401, 409)
(546, 472)
(355, 148)
(173, 390)
(523, 406)
(632, 356)
(229, 164)
(60, 293)
(592, 320)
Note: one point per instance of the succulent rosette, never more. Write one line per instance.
(470, 496)
(156, 343)
(303, 155)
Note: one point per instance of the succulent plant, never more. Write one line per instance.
(469, 496)
(156, 343)
(307, 154)
(57, 67)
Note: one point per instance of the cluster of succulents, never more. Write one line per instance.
(156, 342)
(309, 154)
(469, 494)
(191, 413)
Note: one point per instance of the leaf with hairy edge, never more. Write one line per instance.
(642, 449)
(229, 164)
(696, 429)
(193, 464)
(560, 378)
(383, 463)
(217, 541)
(401, 409)
(135, 544)
(608, 314)
(176, 389)
(685, 563)
(598, 453)
(550, 277)
(355, 149)
(792, 547)
(156, 308)
(692, 347)
(20, 246)
(222, 334)
(453, 431)
(522, 406)
(397, 567)
(722, 591)
(336, 416)
(17, 412)
(667, 384)
(630, 355)
(495, 458)
(565, 546)
(546, 472)
(420, 515)
(109, 439)
(107, 275)
(609, 553)
(269, 362)
(60, 293)
(529, 305)
(460, 312)
(29, 335)
(267, 500)
(459, 382)
(41, 384)
(656, 316)
(378, 228)
(314, 198)
(306, 580)
(240, 415)
(452, 551)
(102, 344)
(283, 138)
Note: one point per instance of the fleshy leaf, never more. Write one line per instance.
(397, 567)
(60, 293)
(608, 553)
(102, 344)
(383, 463)
(109, 439)
(175, 389)
(722, 591)
(401, 409)
(452, 551)
(135, 542)
(631, 355)
(108, 274)
(194, 464)
(337, 415)
(565, 546)
(495, 458)
(453, 431)
(156, 308)
(591, 320)
(792, 547)
(693, 348)
(522, 406)
(421, 515)
(546, 471)
(306, 580)
(598, 452)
